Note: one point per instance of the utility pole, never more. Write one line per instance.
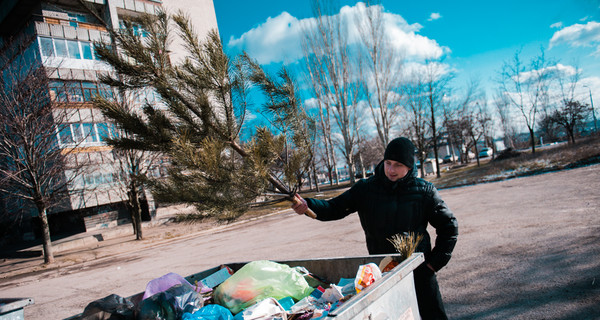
(593, 112)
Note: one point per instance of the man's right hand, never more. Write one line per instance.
(299, 204)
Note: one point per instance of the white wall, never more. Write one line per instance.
(202, 15)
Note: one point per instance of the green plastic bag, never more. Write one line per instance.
(259, 280)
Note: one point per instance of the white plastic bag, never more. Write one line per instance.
(366, 275)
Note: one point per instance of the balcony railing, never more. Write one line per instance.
(85, 31)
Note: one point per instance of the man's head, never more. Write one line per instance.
(399, 158)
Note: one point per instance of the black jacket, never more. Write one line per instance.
(387, 208)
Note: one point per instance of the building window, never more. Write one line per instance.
(60, 47)
(79, 91)
(89, 132)
(57, 91)
(74, 91)
(74, 49)
(106, 131)
(84, 134)
(77, 132)
(65, 136)
(47, 47)
(86, 48)
(90, 90)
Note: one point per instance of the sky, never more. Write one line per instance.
(473, 38)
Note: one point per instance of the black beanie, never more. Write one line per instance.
(401, 150)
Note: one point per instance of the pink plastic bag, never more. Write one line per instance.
(165, 282)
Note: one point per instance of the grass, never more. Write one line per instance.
(547, 159)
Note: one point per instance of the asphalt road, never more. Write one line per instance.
(528, 248)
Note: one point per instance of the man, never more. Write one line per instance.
(394, 201)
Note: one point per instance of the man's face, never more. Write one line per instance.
(395, 170)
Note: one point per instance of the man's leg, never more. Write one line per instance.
(429, 298)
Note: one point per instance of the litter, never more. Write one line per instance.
(266, 290)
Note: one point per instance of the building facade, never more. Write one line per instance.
(59, 35)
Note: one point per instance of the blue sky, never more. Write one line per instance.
(473, 37)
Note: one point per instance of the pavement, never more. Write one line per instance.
(528, 249)
(99, 243)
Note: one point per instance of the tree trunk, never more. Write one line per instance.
(532, 138)
(315, 177)
(571, 134)
(47, 246)
(136, 211)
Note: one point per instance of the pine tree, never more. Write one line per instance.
(198, 125)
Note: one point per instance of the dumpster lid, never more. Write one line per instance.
(11, 304)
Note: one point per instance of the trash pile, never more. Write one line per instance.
(258, 290)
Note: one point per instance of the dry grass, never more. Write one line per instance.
(405, 244)
(552, 158)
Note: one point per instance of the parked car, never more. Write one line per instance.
(485, 152)
(450, 158)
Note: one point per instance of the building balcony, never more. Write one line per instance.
(85, 31)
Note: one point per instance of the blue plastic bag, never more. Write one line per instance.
(209, 312)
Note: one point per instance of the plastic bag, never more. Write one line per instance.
(170, 304)
(165, 282)
(209, 312)
(366, 275)
(259, 280)
(109, 307)
(267, 309)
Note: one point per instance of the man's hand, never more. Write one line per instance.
(299, 204)
(430, 267)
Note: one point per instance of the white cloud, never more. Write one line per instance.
(278, 39)
(556, 25)
(275, 40)
(578, 35)
(434, 16)
(558, 69)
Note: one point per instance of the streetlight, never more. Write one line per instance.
(593, 112)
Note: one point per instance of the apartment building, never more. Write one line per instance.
(59, 35)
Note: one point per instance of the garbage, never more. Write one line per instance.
(258, 290)
(110, 307)
(387, 264)
(209, 312)
(170, 304)
(217, 278)
(267, 309)
(366, 275)
(259, 280)
(286, 303)
(167, 281)
(332, 294)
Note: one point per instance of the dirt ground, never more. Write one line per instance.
(528, 249)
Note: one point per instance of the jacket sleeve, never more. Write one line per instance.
(335, 208)
(446, 227)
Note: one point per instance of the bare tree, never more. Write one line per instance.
(458, 118)
(527, 87)
(381, 76)
(333, 75)
(436, 82)
(34, 168)
(570, 117)
(506, 121)
(130, 165)
(372, 153)
(569, 113)
(416, 107)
